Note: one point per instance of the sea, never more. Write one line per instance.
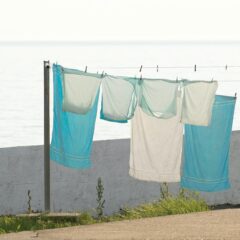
(21, 77)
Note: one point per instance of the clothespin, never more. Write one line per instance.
(226, 67)
(140, 70)
(157, 68)
(235, 95)
(195, 68)
(85, 69)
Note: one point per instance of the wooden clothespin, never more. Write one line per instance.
(140, 70)
(195, 68)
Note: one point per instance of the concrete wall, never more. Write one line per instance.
(21, 169)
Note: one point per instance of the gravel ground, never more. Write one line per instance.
(218, 224)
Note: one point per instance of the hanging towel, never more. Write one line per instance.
(198, 99)
(206, 150)
(72, 133)
(158, 97)
(79, 90)
(156, 148)
(119, 99)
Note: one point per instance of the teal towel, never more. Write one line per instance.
(72, 134)
(206, 149)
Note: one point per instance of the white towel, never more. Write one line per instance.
(79, 90)
(119, 98)
(158, 97)
(156, 148)
(197, 104)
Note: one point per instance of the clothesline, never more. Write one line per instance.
(157, 67)
(194, 67)
(160, 112)
(72, 149)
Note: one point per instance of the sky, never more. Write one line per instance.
(119, 20)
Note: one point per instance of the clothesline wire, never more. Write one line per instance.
(226, 81)
(157, 67)
(195, 67)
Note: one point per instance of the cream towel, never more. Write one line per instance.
(79, 90)
(156, 148)
(197, 104)
(119, 98)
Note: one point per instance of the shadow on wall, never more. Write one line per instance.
(21, 169)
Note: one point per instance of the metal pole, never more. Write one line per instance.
(46, 138)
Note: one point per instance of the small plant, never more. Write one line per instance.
(182, 193)
(85, 218)
(100, 200)
(164, 192)
(187, 194)
(29, 202)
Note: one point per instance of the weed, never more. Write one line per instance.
(29, 202)
(85, 218)
(100, 200)
(164, 191)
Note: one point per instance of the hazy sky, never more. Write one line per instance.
(119, 20)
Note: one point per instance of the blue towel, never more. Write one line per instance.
(206, 149)
(72, 134)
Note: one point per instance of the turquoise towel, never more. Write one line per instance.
(206, 149)
(72, 134)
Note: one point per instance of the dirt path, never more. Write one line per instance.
(220, 224)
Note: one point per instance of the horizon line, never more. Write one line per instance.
(114, 42)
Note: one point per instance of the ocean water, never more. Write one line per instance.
(21, 77)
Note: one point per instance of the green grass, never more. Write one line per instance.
(168, 206)
(23, 223)
(185, 202)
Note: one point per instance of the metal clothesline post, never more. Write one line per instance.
(46, 70)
